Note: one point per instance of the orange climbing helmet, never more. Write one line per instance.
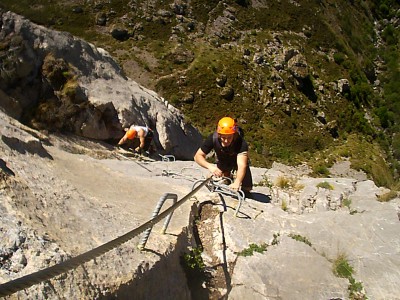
(226, 125)
(131, 133)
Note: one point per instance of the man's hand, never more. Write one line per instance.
(235, 186)
(215, 171)
(138, 150)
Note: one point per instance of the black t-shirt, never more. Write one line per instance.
(226, 156)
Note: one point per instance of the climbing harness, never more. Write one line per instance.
(27, 281)
(220, 185)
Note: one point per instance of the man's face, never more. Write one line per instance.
(226, 139)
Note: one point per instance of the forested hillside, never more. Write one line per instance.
(309, 81)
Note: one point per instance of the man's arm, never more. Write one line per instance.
(122, 140)
(200, 159)
(242, 160)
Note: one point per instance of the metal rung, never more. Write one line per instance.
(156, 211)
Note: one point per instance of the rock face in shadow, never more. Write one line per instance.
(52, 80)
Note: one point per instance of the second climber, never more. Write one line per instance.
(145, 135)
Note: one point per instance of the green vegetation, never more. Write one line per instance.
(193, 260)
(325, 185)
(339, 58)
(321, 170)
(259, 248)
(194, 268)
(356, 290)
(346, 203)
(253, 248)
(343, 269)
(277, 112)
(300, 238)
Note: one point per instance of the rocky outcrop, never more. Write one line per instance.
(272, 249)
(54, 81)
(51, 211)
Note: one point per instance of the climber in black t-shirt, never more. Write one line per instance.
(232, 154)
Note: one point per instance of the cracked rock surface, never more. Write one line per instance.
(61, 196)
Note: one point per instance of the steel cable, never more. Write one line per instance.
(24, 282)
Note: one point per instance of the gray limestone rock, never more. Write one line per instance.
(83, 195)
(108, 100)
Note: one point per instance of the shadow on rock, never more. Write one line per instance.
(259, 197)
(32, 146)
(7, 170)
